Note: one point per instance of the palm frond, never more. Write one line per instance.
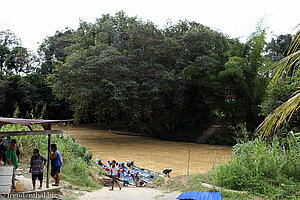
(284, 66)
(294, 44)
(283, 112)
(291, 61)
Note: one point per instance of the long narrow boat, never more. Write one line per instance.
(155, 174)
(125, 179)
(144, 176)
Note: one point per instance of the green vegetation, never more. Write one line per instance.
(78, 168)
(262, 168)
(281, 72)
(169, 83)
(265, 170)
(194, 183)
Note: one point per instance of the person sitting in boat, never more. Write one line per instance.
(106, 168)
(142, 183)
(167, 172)
(131, 175)
(99, 162)
(129, 164)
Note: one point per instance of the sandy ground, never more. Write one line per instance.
(129, 193)
(28, 184)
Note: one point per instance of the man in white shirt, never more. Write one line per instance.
(114, 171)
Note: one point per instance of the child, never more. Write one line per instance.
(37, 167)
(115, 171)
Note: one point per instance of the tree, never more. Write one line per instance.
(19, 60)
(280, 71)
(9, 39)
(277, 94)
(4, 52)
(3, 87)
(243, 81)
(54, 49)
(121, 68)
(277, 48)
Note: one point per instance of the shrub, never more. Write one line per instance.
(260, 167)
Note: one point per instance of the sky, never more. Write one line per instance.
(34, 20)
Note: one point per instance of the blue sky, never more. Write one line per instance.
(33, 20)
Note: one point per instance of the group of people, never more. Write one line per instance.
(9, 155)
(115, 170)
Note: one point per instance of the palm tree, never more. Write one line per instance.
(279, 70)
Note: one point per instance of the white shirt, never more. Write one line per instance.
(114, 170)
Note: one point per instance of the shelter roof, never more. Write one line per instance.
(29, 122)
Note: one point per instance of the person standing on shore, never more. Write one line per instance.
(12, 159)
(137, 179)
(37, 168)
(114, 171)
(56, 163)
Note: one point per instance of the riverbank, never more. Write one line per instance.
(198, 182)
(253, 164)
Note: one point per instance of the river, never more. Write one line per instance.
(149, 153)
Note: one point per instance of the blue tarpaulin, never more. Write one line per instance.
(195, 195)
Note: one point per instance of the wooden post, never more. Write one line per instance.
(48, 163)
(188, 169)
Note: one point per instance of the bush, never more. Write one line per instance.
(77, 172)
(260, 167)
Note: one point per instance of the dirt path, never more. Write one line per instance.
(130, 193)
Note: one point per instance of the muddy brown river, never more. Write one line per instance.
(149, 153)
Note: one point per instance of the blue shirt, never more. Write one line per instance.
(56, 162)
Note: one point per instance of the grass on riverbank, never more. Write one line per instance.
(194, 183)
(78, 169)
(265, 170)
(271, 169)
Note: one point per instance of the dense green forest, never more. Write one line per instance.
(171, 82)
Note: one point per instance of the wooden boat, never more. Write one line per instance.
(123, 176)
(155, 174)
(147, 178)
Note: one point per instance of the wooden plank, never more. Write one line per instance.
(219, 188)
(20, 133)
(31, 121)
(48, 163)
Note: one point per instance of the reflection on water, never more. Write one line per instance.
(150, 153)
